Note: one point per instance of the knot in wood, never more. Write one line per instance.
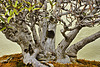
(50, 34)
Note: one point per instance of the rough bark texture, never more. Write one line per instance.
(72, 50)
(66, 42)
(18, 21)
(50, 37)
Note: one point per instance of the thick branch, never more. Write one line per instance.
(33, 29)
(65, 42)
(50, 38)
(72, 50)
(94, 21)
(31, 59)
(44, 23)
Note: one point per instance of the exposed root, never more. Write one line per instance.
(31, 59)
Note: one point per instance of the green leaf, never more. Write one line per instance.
(51, 3)
(7, 6)
(54, 4)
(24, 1)
(16, 4)
(40, 3)
(15, 11)
(11, 12)
(10, 2)
(19, 5)
(30, 8)
(8, 19)
(9, 27)
(1, 2)
(6, 12)
(33, 6)
(46, 17)
(21, 10)
(36, 9)
(27, 8)
(27, 2)
(2, 19)
(3, 29)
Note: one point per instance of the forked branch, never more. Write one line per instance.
(72, 50)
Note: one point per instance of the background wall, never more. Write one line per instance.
(8, 47)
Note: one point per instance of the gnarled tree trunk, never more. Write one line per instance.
(38, 47)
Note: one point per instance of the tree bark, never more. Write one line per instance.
(50, 37)
(64, 44)
(73, 49)
(42, 47)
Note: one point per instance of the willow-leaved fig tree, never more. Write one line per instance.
(19, 18)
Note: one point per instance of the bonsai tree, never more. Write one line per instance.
(19, 20)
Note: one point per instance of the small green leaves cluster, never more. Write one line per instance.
(52, 4)
(13, 9)
(3, 28)
(31, 7)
